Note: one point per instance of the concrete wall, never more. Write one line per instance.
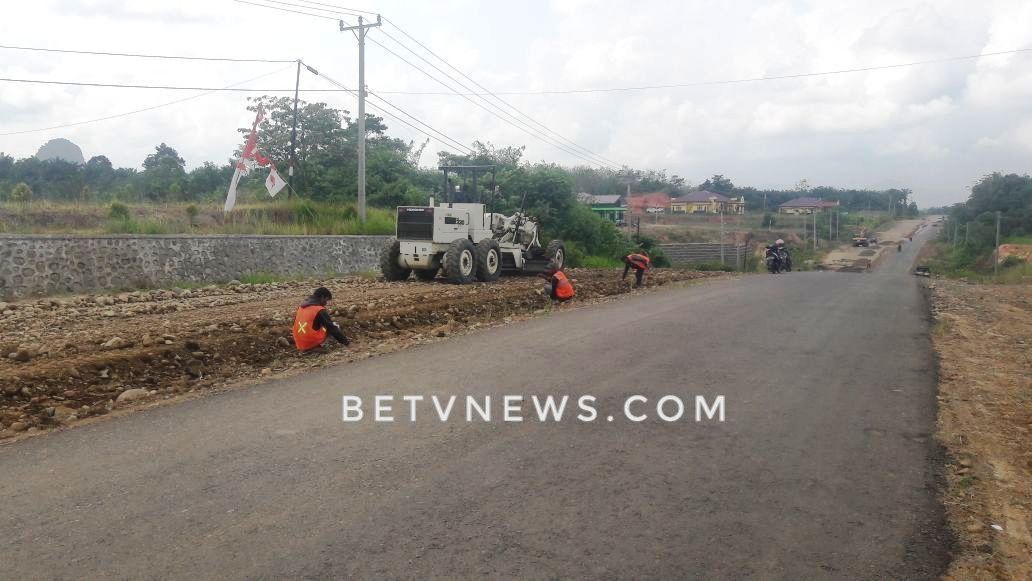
(685, 253)
(34, 265)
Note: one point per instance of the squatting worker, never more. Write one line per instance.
(558, 287)
(312, 323)
(640, 262)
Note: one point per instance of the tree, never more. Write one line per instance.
(98, 173)
(208, 180)
(21, 193)
(163, 173)
(718, 183)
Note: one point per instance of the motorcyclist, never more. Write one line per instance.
(781, 253)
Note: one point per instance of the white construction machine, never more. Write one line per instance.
(463, 241)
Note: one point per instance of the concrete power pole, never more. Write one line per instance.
(293, 134)
(361, 28)
(815, 228)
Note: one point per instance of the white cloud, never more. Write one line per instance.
(932, 128)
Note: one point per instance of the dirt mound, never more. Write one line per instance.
(62, 360)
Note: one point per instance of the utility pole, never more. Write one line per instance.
(722, 236)
(361, 28)
(293, 135)
(996, 251)
(815, 229)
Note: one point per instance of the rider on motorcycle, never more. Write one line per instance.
(781, 253)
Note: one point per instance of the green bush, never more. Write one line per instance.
(600, 262)
(191, 214)
(119, 211)
(21, 193)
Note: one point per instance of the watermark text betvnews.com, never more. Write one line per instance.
(519, 408)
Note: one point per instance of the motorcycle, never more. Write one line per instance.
(786, 260)
(773, 258)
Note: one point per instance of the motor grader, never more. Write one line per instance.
(460, 239)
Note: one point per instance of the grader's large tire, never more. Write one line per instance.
(556, 251)
(427, 274)
(460, 262)
(489, 260)
(389, 262)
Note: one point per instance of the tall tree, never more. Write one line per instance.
(164, 174)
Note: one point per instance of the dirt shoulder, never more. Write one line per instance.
(851, 258)
(983, 335)
(69, 360)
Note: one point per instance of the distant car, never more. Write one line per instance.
(864, 242)
(655, 210)
(922, 271)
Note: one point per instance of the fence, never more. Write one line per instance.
(696, 252)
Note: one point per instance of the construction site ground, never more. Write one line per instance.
(982, 336)
(858, 258)
(69, 360)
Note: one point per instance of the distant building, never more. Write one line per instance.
(607, 206)
(805, 206)
(639, 203)
(707, 202)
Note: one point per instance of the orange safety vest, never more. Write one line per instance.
(305, 335)
(639, 261)
(563, 286)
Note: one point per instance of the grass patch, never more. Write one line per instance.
(599, 262)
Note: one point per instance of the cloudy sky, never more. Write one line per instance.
(935, 128)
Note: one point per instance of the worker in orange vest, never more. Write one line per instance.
(559, 286)
(312, 324)
(640, 262)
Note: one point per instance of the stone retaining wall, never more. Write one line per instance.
(39, 265)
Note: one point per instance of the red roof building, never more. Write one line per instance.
(638, 203)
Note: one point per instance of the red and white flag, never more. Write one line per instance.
(248, 160)
(274, 183)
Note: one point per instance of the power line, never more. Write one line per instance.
(524, 127)
(118, 115)
(339, 8)
(285, 9)
(508, 118)
(440, 136)
(728, 81)
(130, 86)
(470, 94)
(146, 56)
(506, 103)
(594, 157)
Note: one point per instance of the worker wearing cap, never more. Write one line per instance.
(640, 262)
(312, 324)
(559, 287)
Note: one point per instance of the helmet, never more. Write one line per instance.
(779, 242)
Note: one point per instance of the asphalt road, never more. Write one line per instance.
(824, 467)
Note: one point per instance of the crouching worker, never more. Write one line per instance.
(558, 287)
(312, 323)
(640, 263)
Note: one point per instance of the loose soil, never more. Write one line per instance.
(65, 360)
(983, 335)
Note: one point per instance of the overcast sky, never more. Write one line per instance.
(934, 128)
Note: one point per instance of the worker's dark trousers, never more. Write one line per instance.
(639, 273)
